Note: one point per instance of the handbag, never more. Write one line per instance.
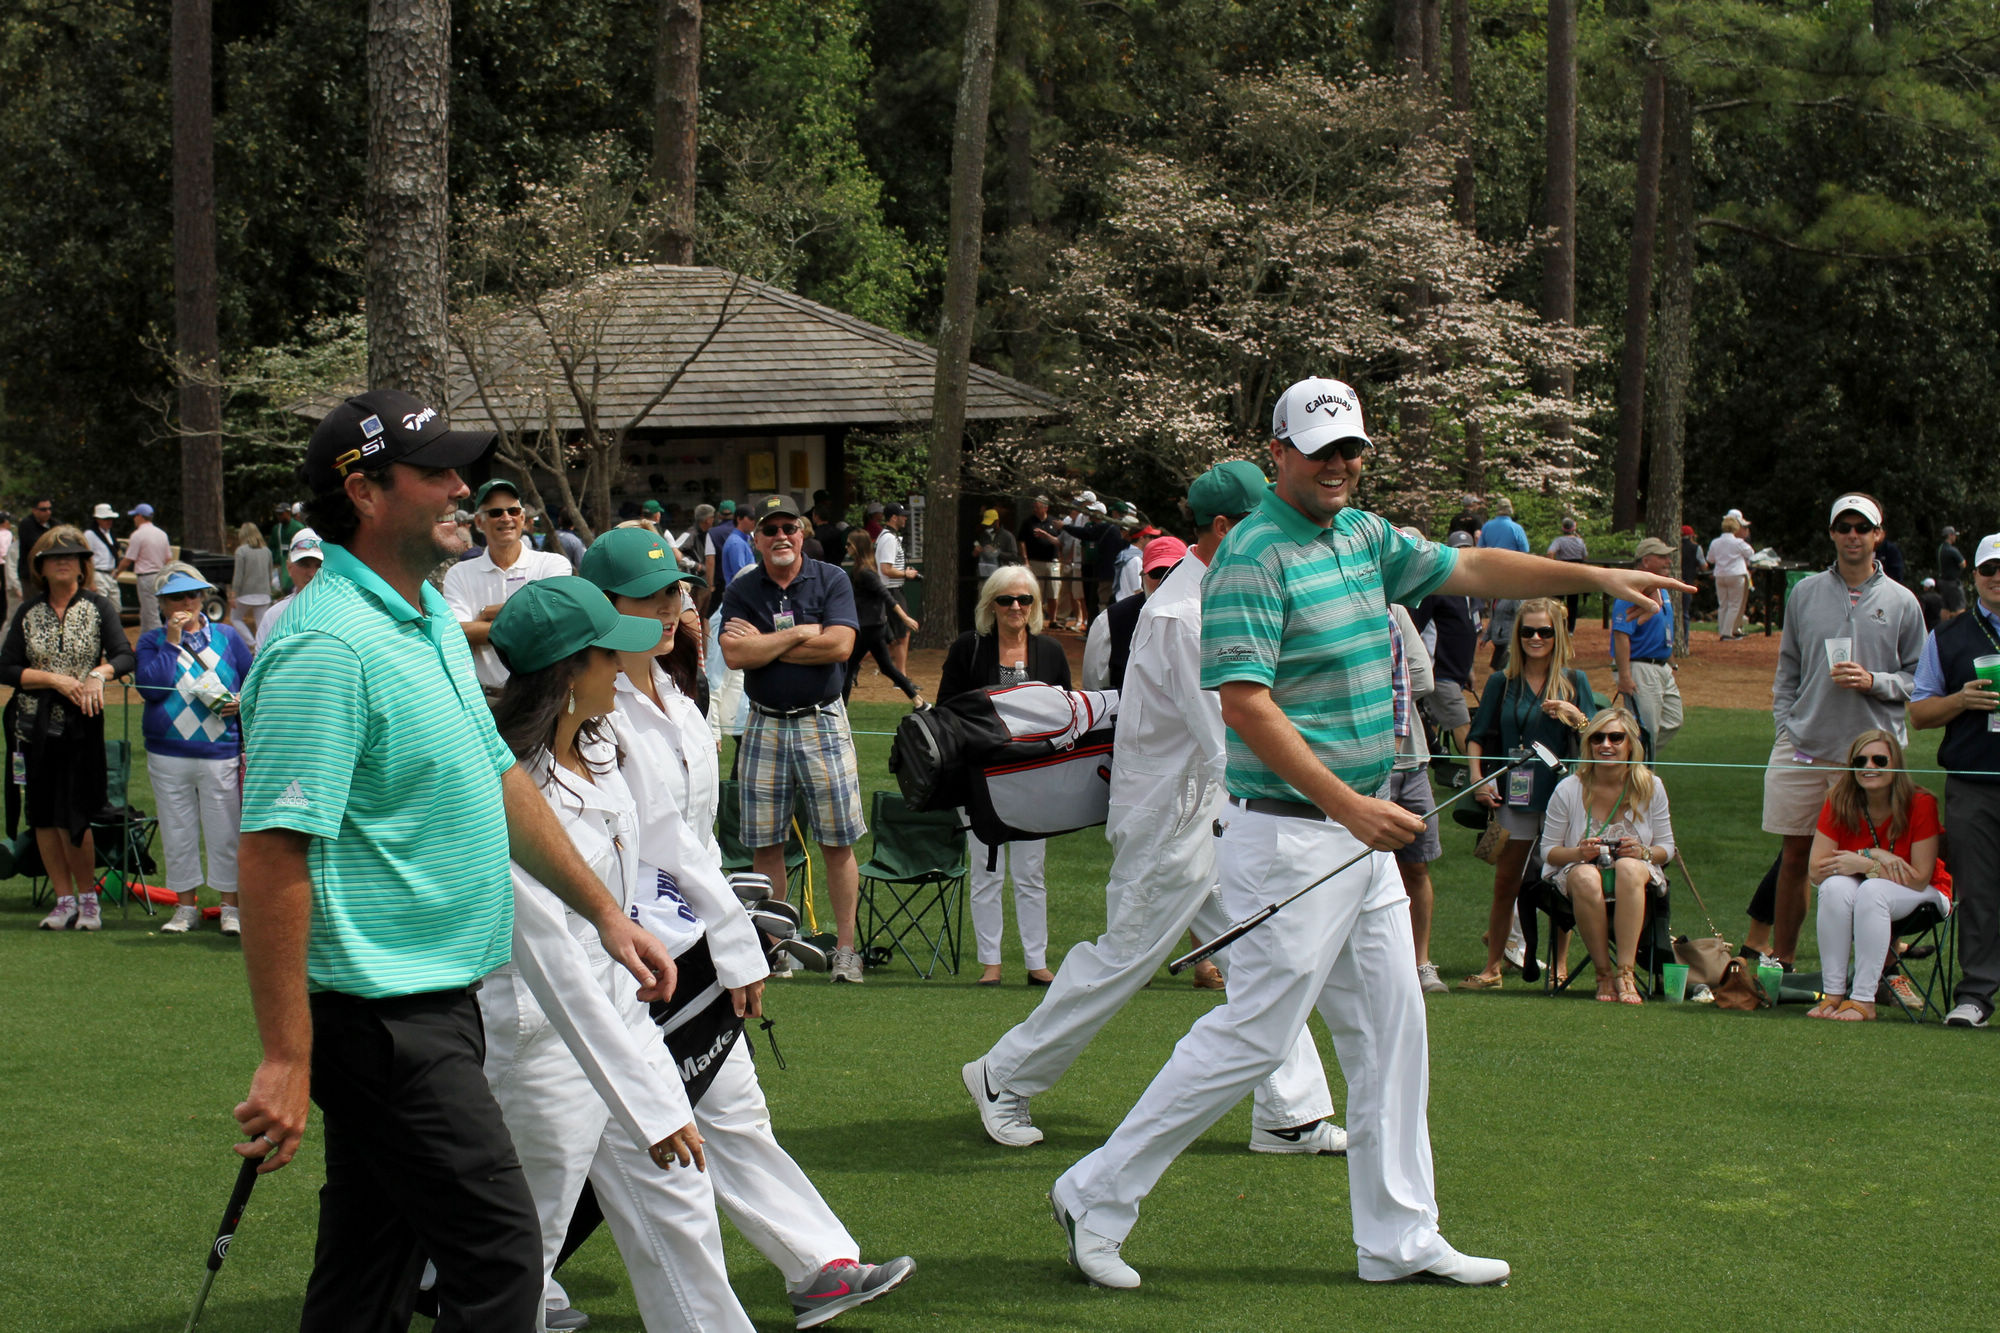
(1708, 958)
(1491, 843)
(1739, 989)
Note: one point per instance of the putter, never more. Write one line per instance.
(239, 1198)
(1537, 753)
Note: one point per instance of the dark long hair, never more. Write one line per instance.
(532, 702)
(682, 663)
(1850, 803)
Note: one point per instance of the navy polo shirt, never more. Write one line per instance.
(820, 595)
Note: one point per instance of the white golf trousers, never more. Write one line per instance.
(1161, 881)
(199, 799)
(1031, 899)
(1861, 915)
(663, 1221)
(1345, 948)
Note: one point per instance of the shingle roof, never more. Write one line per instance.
(778, 361)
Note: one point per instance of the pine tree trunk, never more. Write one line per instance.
(1463, 183)
(1430, 20)
(1884, 19)
(676, 104)
(1559, 197)
(1409, 38)
(196, 344)
(407, 211)
(1638, 304)
(954, 354)
(1670, 373)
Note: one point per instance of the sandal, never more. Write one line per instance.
(1480, 981)
(1607, 987)
(1827, 1007)
(1628, 989)
(1850, 1012)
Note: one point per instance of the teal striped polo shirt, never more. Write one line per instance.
(1304, 610)
(365, 728)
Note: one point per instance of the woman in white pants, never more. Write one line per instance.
(1006, 647)
(250, 585)
(1730, 556)
(586, 1088)
(1874, 854)
(189, 673)
(668, 762)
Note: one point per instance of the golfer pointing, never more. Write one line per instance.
(380, 810)
(1295, 638)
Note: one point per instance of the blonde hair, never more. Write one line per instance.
(1850, 803)
(1002, 580)
(1559, 660)
(250, 535)
(1637, 795)
(1731, 526)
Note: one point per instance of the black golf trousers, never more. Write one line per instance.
(418, 1162)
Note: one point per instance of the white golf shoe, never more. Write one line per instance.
(183, 920)
(1459, 1270)
(1320, 1139)
(1003, 1114)
(1095, 1256)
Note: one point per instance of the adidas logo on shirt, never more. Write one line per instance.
(293, 797)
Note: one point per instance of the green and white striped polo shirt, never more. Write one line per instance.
(1304, 610)
(365, 728)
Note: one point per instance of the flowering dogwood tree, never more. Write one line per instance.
(1303, 226)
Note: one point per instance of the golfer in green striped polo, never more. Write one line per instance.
(1295, 637)
(380, 811)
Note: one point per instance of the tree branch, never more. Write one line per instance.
(1759, 234)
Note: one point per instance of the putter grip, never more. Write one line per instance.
(1224, 940)
(239, 1198)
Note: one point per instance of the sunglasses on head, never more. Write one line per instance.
(502, 511)
(1014, 599)
(1871, 761)
(1861, 526)
(1349, 447)
(779, 529)
(1609, 738)
(1989, 569)
(1538, 631)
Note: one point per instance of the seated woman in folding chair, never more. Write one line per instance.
(1875, 858)
(1612, 817)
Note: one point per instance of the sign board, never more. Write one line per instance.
(913, 536)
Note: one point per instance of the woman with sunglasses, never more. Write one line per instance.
(1610, 816)
(1539, 697)
(873, 608)
(1007, 647)
(1875, 857)
(587, 1089)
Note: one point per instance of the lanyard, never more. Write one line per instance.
(1979, 615)
(1523, 716)
(1616, 805)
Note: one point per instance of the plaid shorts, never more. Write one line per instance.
(811, 754)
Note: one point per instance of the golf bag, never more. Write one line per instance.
(1024, 761)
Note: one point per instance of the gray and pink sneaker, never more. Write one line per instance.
(844, 1284)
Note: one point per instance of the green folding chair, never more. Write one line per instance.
(919, 868)
(729, 839)
(124, 835)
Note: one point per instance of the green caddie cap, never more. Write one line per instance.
(634, 562)
(1229, 489)
(497, 484)
(651, 507)
(556, 618)
(726, 507)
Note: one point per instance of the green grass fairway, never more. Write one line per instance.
(1664, 1167)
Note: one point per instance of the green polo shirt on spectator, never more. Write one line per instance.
(365, 729)
(1304, 610)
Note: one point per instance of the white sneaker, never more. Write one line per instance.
(183, 920)
(845, 965)
(1322, 1139)
(1965, 1015)
(1459, 1270)
(1094, 1255)
(232, 921)
(1427, 977)
(1003, 1114)
(62, 916)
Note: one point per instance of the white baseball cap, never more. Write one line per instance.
(1315, 413)
(304, 546)
(1989, 549)
(1860, 504)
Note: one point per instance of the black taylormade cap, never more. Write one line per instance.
(372, 430)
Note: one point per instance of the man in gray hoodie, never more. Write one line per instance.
(1846, 664)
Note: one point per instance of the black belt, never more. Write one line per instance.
(1655, 661)
(1268, 805)
(826, 707)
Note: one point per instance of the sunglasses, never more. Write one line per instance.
(1157, 574)
(1609, 738)
(1538, 631)
(1349, 447)
(1014, 599)
(1871, 761)
(510, 511)
(780, 529)
(1864, 527)
(1989, 569)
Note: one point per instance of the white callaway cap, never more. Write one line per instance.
(1860, 504)
(1314, 413)
(1989, 549)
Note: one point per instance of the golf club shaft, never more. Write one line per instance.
(1258, 918)
(232, 1214)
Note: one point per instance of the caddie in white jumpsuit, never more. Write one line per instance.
(1166, 792)
(1295, 636)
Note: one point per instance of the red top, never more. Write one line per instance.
(1924, 823)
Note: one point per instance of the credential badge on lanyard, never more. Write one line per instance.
(784, 619)
(1520, 786)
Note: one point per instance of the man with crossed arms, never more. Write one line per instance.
(1295, 635)
(1166, 789)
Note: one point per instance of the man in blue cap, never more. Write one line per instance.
(147, 552)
